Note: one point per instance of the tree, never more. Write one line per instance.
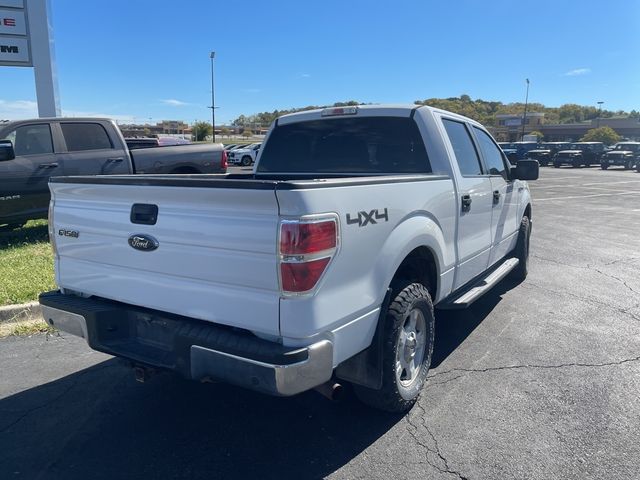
(606, 135)
(247, 133)
(537, 134)
(225, 131)
(201, 130)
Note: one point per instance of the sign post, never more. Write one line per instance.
(26, 40)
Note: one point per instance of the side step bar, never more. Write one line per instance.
(481, 287)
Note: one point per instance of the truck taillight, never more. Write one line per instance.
(223, 160)
(306, 249)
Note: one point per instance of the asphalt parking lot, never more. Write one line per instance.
(538, 380)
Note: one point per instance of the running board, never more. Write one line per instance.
(481, 287)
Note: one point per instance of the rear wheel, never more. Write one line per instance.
(604, 166)
(556, 165)
(406, 354)
(629, 165)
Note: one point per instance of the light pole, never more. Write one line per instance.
(599, 112)
(212, 56)
(524, 118)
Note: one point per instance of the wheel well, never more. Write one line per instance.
(420, 266)
(527, 211)
(185, 170)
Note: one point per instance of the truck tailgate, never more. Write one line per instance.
(216, 256)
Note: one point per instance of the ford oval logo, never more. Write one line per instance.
(146, 243)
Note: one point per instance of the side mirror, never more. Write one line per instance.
(6, 150)
(527, 169)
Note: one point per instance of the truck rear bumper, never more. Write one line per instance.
(196, 349)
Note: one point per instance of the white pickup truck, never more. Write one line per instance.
(321, 266)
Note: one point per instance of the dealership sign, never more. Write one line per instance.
(15, 44)
(26, 40)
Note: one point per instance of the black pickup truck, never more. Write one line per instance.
(623, 154)
(579, 154)
(32, 151)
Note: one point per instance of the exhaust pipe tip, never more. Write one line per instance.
(331, 390)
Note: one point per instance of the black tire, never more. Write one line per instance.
(394, 396)
(556, 165)
(629, 165)
(604, 166)
(246, 161)
(521, 252)
(575, 164)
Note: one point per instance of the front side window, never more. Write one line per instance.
(491, 153)
(31, 140)
(463, 148)
(85, 136)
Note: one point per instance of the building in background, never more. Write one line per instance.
(628, 128)
(508, 127)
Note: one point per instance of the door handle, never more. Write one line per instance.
(48, 165)
(466, 202)
(115, 160)
(496, 196)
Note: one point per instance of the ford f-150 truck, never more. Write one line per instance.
(321, 266)
(35, 150)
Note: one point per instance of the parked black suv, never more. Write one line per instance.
(625, 154)
(545, 152)
(580, 154)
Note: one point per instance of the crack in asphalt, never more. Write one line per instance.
(526, 366)
(624, 311)
(621, 260)
(414, 434)
(624, 282)
(594, 268)
(71, 385)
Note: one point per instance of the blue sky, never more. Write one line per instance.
(140, 60)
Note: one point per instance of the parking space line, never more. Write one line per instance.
(610, 183)
(585, 196)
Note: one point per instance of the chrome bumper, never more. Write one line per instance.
(211, 352)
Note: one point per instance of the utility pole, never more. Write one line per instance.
(524, 118)
(212, 56)
(599, 113)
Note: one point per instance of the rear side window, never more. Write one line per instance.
(31, 140)
(85, 136)
(492, 155)
(463, 148)
(369, 145)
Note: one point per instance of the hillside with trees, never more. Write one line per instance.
(481, 110)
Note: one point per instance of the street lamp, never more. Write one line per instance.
(599, 112)
(212, 56)
(524, 118)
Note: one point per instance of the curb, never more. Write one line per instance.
(19, 313)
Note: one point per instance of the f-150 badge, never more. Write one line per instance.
(363, 218)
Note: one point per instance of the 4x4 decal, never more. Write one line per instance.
(365, 218)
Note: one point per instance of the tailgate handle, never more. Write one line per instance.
(144, 214)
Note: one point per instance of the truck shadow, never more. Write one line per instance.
(100, 423)
(454, 326)
(33, 232)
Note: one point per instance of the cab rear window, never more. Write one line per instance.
(367, 145)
